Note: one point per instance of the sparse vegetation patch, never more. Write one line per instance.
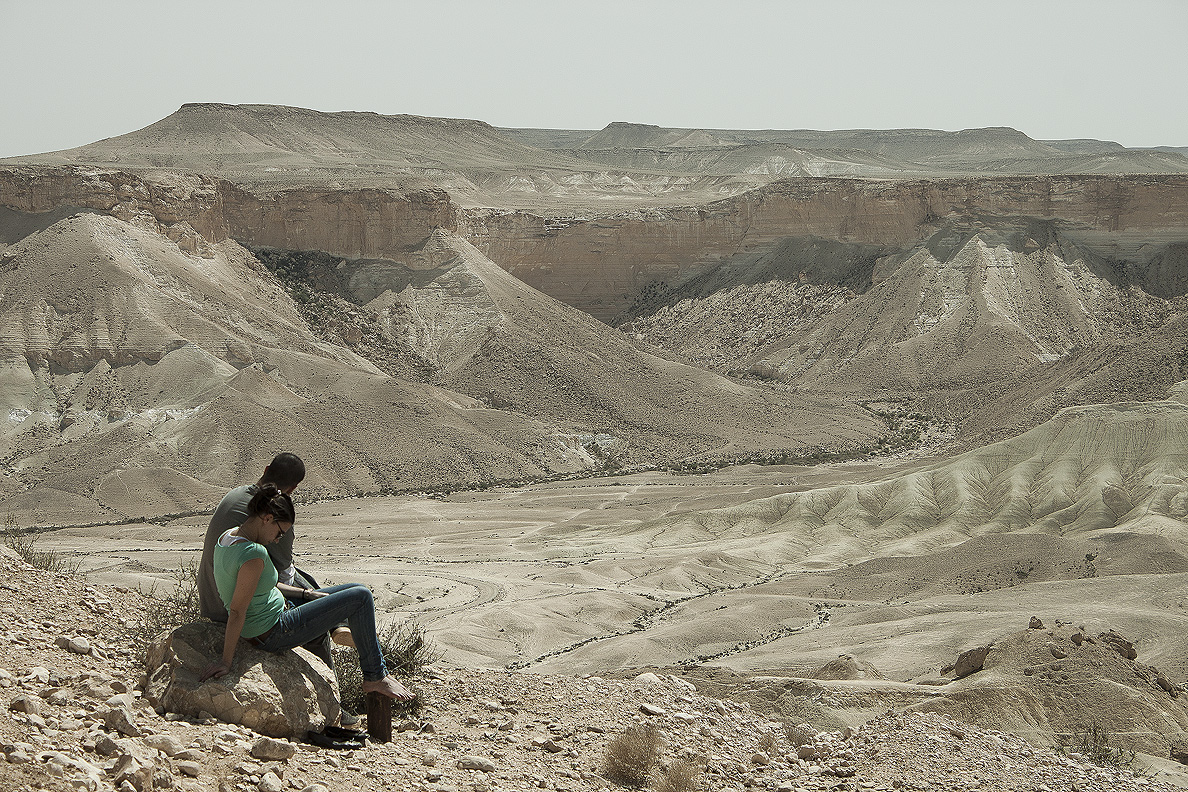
(407, 651)
(632, 756)
(24, 544)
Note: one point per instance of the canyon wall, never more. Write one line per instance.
(602, 264)
(364, 223)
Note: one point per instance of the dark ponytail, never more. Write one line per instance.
(270, 500)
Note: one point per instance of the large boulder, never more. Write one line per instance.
(280, 695)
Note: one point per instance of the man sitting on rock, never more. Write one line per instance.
(286, 471)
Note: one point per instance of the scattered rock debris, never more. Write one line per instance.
(78, 721)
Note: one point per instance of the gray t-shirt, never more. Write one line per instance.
(231, 513)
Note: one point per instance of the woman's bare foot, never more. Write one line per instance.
(388, 686)
(342, 636)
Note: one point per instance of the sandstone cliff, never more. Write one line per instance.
(602, 265)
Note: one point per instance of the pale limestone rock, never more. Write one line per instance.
(970, 661)
(280, 695)
(270, 783)
(39, 674)
(124, 700)
(189, 768)
(269, 749)
(165, 743)
(1119, 644)
(476, 763)
(120, 719)
(135, 765)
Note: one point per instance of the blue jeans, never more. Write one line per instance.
(350, 602)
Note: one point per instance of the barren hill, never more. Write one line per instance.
(859, 152)
(141, 362)
(623, 166)
(140, 379)
(267, 147)
(491, 337)
(965, 307)
(1080, 519)
(269, 144)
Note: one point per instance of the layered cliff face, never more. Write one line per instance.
(196, 210)
(603, 265)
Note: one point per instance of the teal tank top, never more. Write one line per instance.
(267, 602)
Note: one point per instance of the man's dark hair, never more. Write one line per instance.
(285, 470)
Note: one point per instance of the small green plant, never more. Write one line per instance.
(681, 776)
(406, 649)
(631, 757)
(171, 607)
(1094, 743)
(24, 543)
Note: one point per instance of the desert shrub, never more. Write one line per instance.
(681, 776)
(769, 744)
(1094, 743)
(406, 649)
(24, 544)
(171, 606)
(631, 757)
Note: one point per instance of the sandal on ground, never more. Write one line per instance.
(339, 733)
(325, 741)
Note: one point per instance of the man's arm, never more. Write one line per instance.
(281, 553)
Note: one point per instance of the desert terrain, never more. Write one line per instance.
(729, 405)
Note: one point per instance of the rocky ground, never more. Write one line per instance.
(74, 720)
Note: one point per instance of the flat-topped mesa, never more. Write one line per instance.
(912, 144)
(276, 145)
(301, 117)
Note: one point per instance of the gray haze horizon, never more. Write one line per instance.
(1056, 70)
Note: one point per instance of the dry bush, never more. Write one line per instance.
(406, 649)
(24, 544)
(171, 608)
(1095, 744)
(681, 776)
(631, 757)
(769, 744)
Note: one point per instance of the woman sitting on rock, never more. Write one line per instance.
(256, 612)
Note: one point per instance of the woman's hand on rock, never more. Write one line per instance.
(214, 671)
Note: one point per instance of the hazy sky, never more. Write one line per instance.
(76, 72)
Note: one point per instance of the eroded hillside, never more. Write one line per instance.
(988, 301)
(152, 359)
